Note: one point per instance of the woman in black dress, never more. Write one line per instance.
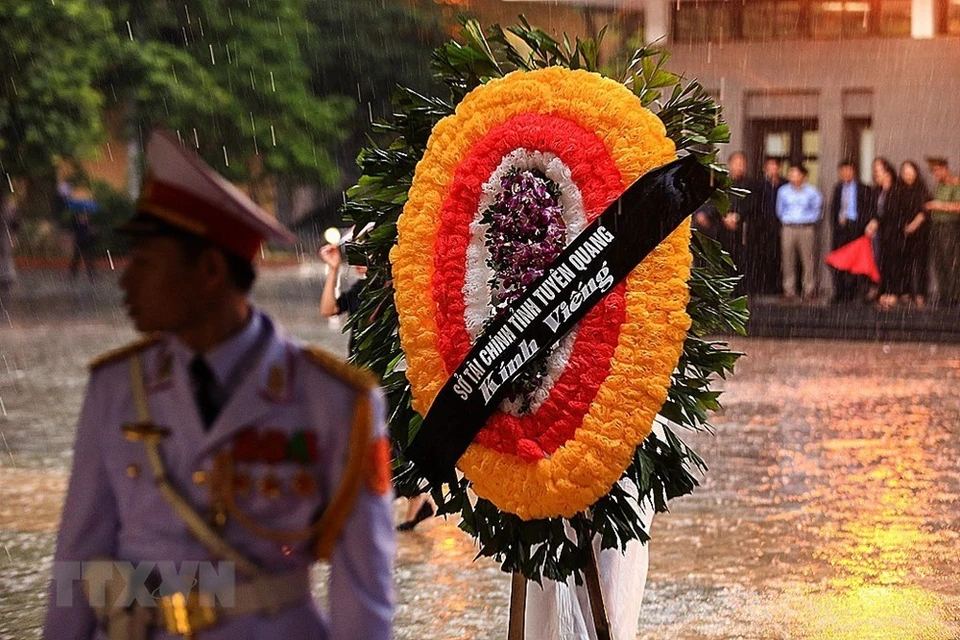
(892, 215)
(916, 252)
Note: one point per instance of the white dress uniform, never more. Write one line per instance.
(294, 467)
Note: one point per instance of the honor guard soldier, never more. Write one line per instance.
(217, 459)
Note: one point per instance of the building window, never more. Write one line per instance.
(895, 18)
(832, 19)
(857, 145)
(951, 21)
(758, 23)
(765, 20)
(702, 22)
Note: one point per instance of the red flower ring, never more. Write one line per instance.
(536, 435)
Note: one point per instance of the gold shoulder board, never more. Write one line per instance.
(355, 471)
(354, 377)
(123, 352)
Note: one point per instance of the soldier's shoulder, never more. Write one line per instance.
(122, 353)
(356, 378)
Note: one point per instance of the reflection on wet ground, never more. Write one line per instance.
(830, 510)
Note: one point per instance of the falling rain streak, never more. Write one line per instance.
(4, 437)
(830, 510)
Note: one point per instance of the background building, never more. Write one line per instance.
(811, 81)
(815, 81)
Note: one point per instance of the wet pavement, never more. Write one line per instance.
(831, 509)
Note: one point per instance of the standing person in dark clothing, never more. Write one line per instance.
(917, 232)
(851, 209)
(732, 228)
(945, 231)
(763, 235)
(890, 218)
(83, 236)
(348, 301)
(9, 223)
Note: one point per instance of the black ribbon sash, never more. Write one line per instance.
(600, 257)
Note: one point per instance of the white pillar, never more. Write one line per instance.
(656, 21)
(923, 18)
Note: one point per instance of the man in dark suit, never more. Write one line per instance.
(850, 210)
(732, 230)
(762, 259)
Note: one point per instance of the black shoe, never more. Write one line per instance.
(422, 514)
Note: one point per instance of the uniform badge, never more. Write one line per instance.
(166, 368)
(241, 484)
(302, 447)
(270, 486)
(276, 381)
(304, 484)
(379, 475)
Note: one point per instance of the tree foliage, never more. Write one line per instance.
(233, 80)
(265, 88)
(51, 105)
(370, 46)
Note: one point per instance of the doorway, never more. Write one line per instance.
(857, 146)
(791, 141)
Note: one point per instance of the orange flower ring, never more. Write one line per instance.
(567, 453)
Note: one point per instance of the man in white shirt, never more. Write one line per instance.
(799, 207)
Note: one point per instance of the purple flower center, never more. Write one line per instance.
(526, 233)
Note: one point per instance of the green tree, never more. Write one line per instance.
(232, 79)
(366, 48)
(263, 89)
(363, 50)
(52, 55)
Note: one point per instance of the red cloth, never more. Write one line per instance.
(857, 258)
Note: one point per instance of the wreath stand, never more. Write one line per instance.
(518, 602)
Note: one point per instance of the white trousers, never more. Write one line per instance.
(561, 611)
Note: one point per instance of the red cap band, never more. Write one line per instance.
(199, 217)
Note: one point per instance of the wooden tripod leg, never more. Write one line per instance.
(597, 607)
(518, 607)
